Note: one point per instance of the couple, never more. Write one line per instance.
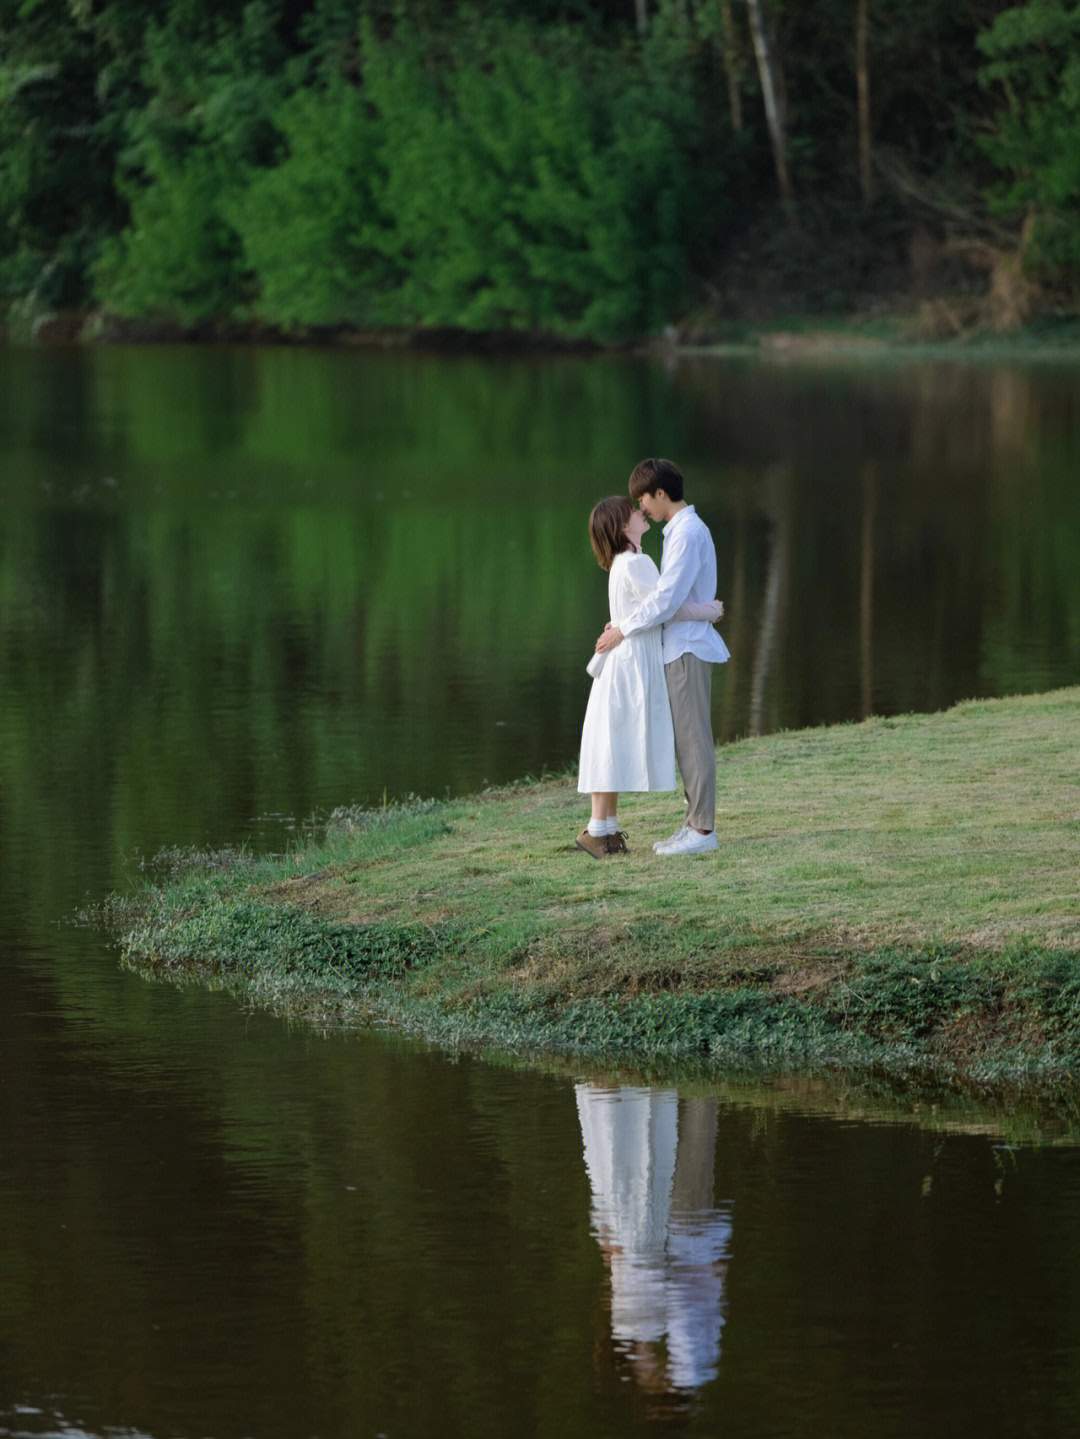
(650, 699)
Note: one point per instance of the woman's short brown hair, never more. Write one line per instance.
(606, 525)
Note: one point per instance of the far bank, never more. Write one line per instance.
(897, 894)
(939, 329)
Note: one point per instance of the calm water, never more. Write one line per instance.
(239, 588)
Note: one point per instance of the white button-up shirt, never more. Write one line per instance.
(687, 572)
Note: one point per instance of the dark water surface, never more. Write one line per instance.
(238, 588)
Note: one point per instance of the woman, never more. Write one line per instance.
(627, 741)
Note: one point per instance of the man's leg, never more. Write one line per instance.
(689, 682)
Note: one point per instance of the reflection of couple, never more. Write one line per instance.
(651, 1172)
(650, 699)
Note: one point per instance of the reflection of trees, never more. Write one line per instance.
(182, 671)
(734, 590)
(893, 578)
(1014, 416)
(866, 591)
(408, 542)
(238, 581)
(777, 504)
(340, 1236)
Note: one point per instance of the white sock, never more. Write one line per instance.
(597, 827)
(612, 825)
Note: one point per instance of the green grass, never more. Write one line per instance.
(896, 894)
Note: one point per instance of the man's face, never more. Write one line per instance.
(652, 506)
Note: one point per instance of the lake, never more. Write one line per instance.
(241, 587)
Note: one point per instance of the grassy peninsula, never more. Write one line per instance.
(899, 894)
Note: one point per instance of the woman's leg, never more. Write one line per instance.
(605, 821)
(594, 837)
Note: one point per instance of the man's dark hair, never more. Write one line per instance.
(653, 475)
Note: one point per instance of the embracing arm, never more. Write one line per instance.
(671, 590)
(711, 611)
(666, 599)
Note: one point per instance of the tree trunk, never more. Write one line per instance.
(732, 68)
(862, 82)
(774, 116)
(640, 9)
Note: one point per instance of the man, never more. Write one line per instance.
(691, 647)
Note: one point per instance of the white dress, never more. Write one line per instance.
(667, 1263)
(627, 742)
(630, 1138)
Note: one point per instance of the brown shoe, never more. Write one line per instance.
(594, 844)
(617, 842)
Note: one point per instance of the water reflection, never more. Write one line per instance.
(279, 585)
(25, 1421)
(651, 1161)
(776, 502)
(306, 579)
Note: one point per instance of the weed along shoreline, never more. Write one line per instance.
(899, 894)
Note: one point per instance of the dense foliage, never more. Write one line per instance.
(1034, 53)
(582, 167)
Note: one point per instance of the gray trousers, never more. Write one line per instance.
(689, 683)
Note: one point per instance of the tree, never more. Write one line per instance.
(1034, 61)
(56, 155)
(862, 86)
(732, 66)
(772, 97)
(313, 225)
(206, 121)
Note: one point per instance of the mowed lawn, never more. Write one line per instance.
(960, 828)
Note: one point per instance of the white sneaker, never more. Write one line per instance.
(662, 844)
(691, 842)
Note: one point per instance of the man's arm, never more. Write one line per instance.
(667, 598)
(672, 589)
(711, 611)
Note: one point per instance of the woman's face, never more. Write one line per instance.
(636, 526)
